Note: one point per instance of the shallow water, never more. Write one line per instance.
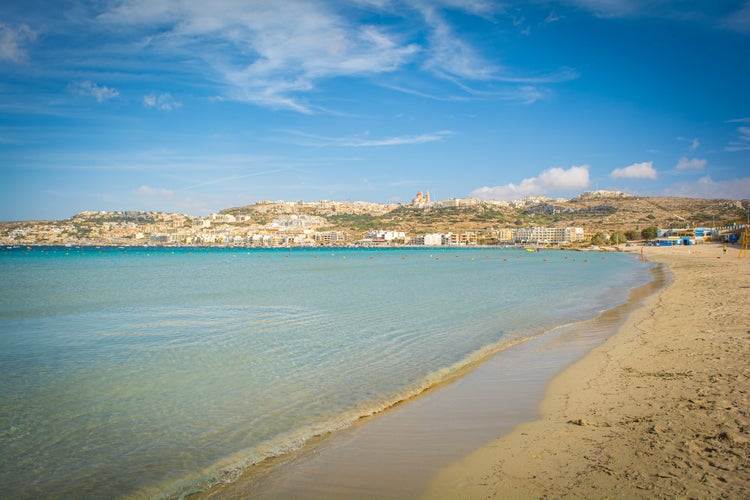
(152, 371)
(397, 454)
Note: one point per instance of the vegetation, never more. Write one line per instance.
(632, 234)
(649, 233)
(618, 237)
(354, 222)
(599, 239)
(607, 221)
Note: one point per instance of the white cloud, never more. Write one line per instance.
(644, 170)
(162, 102)
(149, 192)
(450, 55)
(275, 54)
(13, 42)
(552, 179)
(705, 187)
(268, 52)
(100, 92)
(691, 163)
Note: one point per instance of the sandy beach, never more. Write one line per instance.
(661, 409)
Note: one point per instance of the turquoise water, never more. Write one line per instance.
(156, 371)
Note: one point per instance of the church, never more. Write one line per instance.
(421, 200)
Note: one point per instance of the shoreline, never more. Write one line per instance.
(396, 453)
(659, 409)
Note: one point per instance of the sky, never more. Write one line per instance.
(192, 106)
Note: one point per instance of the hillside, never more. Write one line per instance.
(294, 223)
(593, 214)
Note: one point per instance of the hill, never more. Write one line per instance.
(606, 214)
(293, 223)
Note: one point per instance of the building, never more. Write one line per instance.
(421, 200)
(330, 238)
(542, 235)
(429, 240)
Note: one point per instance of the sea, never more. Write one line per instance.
(155, 372)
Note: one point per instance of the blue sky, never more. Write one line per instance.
(193, 106)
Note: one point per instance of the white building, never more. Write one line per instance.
(551, 235)
(387, 236)
(429, 240)
(223, 218)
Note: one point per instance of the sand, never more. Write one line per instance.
(661, 409)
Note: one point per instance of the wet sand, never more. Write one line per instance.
(661, 409)
(398, 454)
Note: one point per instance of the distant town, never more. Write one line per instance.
(594, 217)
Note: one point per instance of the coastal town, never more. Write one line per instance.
(594, 217)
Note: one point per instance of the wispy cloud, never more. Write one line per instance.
(148, 191)
(278, 54)
(694, 143)
(733, 16)
(269, 53)
(739, 20)
(686, 163)
(552, 179)
(448, 54)
(609, 8)
(232, 178)
(644, 170)
(162, 102)
(100, 92)
(305, 139)
(13, 42)
(741, 142)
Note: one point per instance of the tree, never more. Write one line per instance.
(598, 239)
(618, 238)
(649, 233)
(632, 234)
